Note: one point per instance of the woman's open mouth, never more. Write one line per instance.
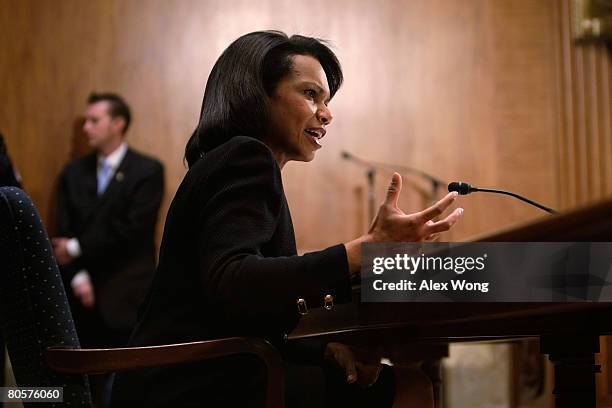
(315, 135)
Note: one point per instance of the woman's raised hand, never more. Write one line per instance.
(393, 225)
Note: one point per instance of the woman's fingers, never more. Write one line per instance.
(393, 225)
(443, 225)
(342, 355)
(346, 360)
(351, 371)
(393, 192)
(368, 373)
(438, 208)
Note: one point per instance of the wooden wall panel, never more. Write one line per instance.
(464, 90)
(585, 139)
(445, 91)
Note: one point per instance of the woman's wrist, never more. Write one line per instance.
(353, 253)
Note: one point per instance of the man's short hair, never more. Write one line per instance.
(117, 106)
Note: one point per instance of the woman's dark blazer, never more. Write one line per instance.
(228, 266)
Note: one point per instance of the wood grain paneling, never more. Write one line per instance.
(585, 139)
(463, 90)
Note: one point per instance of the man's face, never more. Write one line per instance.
(100, 127)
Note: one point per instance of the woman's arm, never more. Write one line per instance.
(240, 210)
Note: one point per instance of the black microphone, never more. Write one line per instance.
(465, 188)
(461, 187)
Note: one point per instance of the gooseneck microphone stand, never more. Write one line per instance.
(465, 189)
(435, 182)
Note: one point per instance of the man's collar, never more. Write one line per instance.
(115, 158)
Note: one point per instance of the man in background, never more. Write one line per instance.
(108, 204)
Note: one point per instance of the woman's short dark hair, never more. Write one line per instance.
(245, 75)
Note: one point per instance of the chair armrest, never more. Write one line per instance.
(96, 361)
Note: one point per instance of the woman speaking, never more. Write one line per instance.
(228, 263)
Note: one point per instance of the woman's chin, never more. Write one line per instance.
(309, 157)
(306, 157)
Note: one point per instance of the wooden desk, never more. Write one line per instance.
(569, 332)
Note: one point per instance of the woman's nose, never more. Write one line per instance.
(324, 115)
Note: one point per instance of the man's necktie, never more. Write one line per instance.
(106, 173)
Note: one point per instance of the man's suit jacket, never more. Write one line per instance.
(116, 230)
(228, 266)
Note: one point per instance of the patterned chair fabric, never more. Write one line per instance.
(34, 311)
